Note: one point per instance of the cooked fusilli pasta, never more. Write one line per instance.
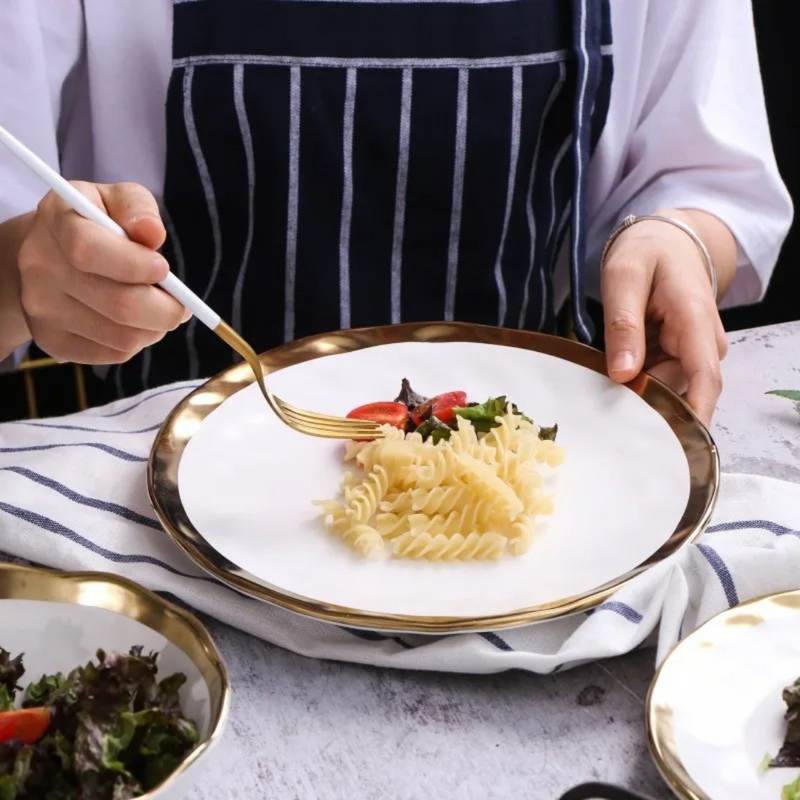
(469, 497)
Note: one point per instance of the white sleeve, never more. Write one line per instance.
(40, 58)
(687, 128)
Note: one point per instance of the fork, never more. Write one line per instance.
(307, 422)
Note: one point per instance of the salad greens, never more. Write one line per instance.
(789, 754)
(423, 417)
(113, 731)
(10, 672)
(791, 791)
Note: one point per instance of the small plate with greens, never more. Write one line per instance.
(723, 712)
(106, 691)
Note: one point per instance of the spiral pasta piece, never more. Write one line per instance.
(439, 500)
(443, 548)
(392, 525)
(471, 497)
(366, 499)
(470, 519)
(521, 536)
(363, 539)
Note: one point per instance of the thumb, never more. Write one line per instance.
(136, 210)
(625, 289)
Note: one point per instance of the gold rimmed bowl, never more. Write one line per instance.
(60, 619)
(715, 707)
(234, 490)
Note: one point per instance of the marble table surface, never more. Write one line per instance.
(301, 728)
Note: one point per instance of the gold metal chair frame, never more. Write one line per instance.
(29, 366)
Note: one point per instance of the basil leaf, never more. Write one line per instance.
(483, 416)
(408, 397)
(434, 429)
(548, 434)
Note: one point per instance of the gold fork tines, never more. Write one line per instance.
(308, 422)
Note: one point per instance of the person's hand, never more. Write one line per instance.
(660, 313)
(88, 296)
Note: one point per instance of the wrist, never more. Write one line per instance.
(13, 326)
(651, 222)
(716, 236)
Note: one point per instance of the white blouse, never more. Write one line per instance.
(84, 83)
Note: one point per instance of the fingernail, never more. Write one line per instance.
(622, 362)
(140, 217)
(187, 315)
(160, 269)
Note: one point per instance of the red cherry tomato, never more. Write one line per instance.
(27, 725)
(440, 407)
(395, 414)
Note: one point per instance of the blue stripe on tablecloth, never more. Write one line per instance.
(753, 524)
(47, 524)
(374, 636)
(724, 575)
(499, 643)
(85, 430)
(623, 609)
(80, 499)
(112, 451)
(184, 387)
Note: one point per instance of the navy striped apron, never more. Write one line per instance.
(335, 164)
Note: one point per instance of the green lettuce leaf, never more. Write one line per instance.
(16, 773)
(8, 788)
(791, 791)
(11, 670)
(789, 394)
(6, 702)
(44, 691)
(483, 416)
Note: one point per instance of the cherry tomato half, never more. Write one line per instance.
(395, 414)
(440, 407)
(26, 725)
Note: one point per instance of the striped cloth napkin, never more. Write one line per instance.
(73, 496)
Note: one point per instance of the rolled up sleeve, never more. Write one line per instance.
(41, 50)
(691, 131)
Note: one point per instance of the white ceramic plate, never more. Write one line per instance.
(246, 483)
(57, 636)
(715, 707)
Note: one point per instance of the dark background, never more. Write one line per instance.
(780, 67)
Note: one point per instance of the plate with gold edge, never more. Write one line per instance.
(234, 487)
(59, 620)
(715, 709)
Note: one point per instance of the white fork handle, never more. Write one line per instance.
(83, 206)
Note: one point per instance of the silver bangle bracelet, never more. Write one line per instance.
(631, 219)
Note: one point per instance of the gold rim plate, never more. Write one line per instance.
(678, 672)
(121, 596)
(162, 476)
